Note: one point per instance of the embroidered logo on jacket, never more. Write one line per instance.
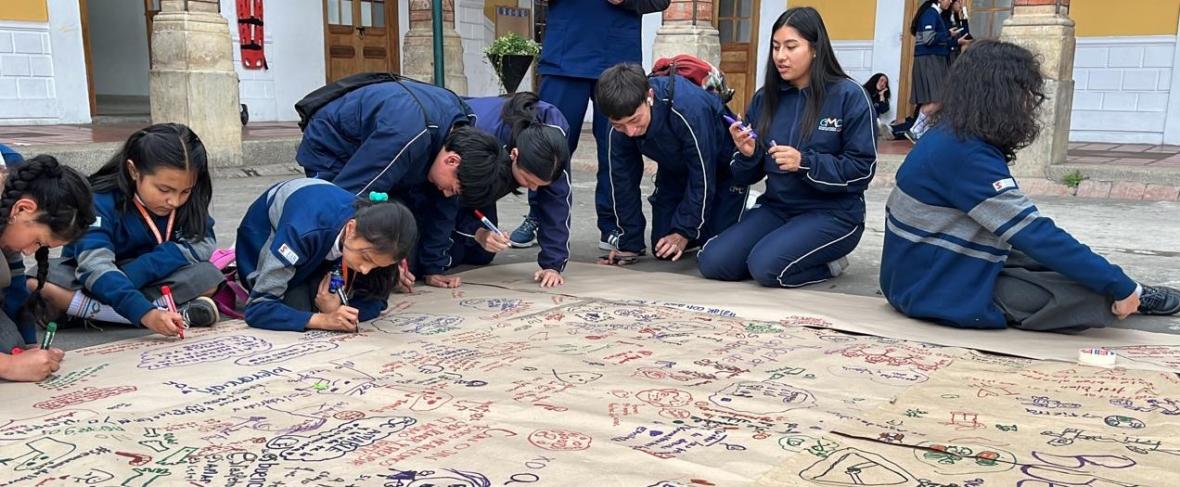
(831, 124)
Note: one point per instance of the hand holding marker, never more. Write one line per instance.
(166, 291)
(488, 223)
(732, 121)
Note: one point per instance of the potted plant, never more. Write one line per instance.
(511, 55)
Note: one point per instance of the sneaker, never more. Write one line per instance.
(525, 235)
(604, 246)
(200, 312)
(1159, 301)
(911, 136)
(837, 267)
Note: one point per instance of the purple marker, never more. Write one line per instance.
(732, 121)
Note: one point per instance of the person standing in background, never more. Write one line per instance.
(955, 19)
(582, 39)
(932, 50)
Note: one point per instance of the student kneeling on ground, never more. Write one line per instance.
(814, 144)
(414, 141)
(679, 125)
(533, 132)
(300, 233)
(965, 247)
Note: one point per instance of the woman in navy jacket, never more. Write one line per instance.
(815, 147)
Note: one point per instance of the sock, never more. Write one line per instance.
(919, 127)
(87, 308)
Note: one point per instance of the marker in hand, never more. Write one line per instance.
(732, 121)
(488, 223)
(50, 332)
(167, 292)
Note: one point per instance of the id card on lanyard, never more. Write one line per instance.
(151, 223)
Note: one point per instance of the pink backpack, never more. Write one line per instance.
(232, 297)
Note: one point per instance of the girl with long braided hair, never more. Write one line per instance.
(43, 204)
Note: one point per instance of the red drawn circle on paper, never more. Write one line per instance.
(665, 398)
(349, 415)
(560, 440)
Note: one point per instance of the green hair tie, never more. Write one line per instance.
(378, 197)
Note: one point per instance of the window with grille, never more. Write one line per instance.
(987, 17)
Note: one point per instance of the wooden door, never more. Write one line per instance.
(737, 23)
(360, 36)
(905, 79)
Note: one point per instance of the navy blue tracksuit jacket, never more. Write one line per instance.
(384, 137)
(687, 138)
(288, 237)
(584, 37)
(551, 204)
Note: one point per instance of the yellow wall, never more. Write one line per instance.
(26, 10)
(847, 20)
(1097, 18)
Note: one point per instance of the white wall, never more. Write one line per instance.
(294, 47)
(1122, 86)
(887, 45)
(856, 57)
(42, 69)
(477, 32)
(119, 47)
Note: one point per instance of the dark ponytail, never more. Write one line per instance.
(391, 228)
(64, 203)
(542, 149)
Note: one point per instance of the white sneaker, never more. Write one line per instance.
(837, 267)
(604, 246)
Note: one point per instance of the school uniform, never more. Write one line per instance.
(954, 22)
(809, 218)
(965, 247)
(286, 246)
(129, 253)
(695, 195)
(14, 332)
(575, 52)
(384, 137)
(550, 205)
(932, 50)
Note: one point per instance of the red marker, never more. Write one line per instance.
(17, 350)
(488, 223)
(405, 265)
(167, 292)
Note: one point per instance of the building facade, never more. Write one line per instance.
(75, 61)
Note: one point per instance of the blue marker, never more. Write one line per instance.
(732, 121)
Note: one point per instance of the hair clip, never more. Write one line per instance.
(378, 197)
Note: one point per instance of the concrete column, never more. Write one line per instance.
(418, 46)
(192, 77)
(680, 34)
(1044, 27)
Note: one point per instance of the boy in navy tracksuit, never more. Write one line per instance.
(413, 141)
(549, 205)
(965, 247)
(570, 64)
(679, 125)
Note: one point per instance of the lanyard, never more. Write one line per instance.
(151, 224)
(344, 273)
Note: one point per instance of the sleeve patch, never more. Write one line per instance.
(1007, 183)
(289, 255)
(97, 222)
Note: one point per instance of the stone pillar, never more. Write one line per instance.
(680, 34)
(418, 47)
(192, 77)
(1044, 27)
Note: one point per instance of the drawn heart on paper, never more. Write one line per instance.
(655, 433)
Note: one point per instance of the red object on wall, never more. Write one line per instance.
(250, 33)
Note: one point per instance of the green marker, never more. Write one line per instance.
(50, 331)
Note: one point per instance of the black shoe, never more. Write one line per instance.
(1159, 301)
(200, 312)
